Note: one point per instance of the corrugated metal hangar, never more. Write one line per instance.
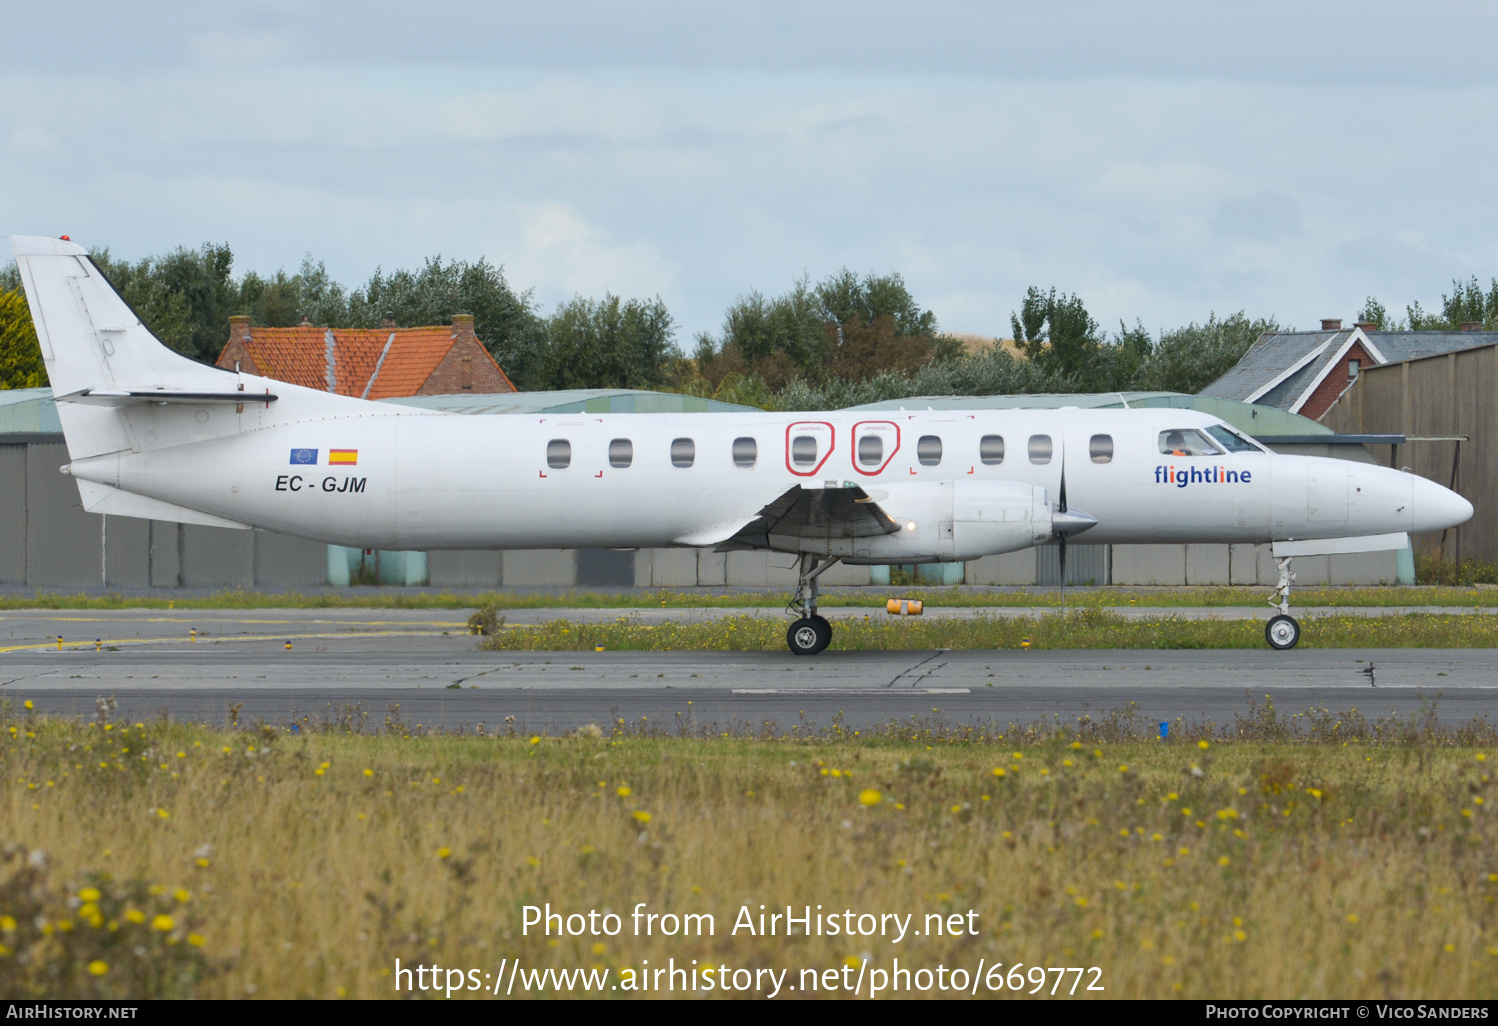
(47, 541)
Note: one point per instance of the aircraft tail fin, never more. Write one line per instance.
(118, 387)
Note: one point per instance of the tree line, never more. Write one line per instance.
(837, 341)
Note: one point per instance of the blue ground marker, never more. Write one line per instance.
(1164, 730)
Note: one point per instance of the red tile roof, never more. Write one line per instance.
(416, 353)
(300, 355)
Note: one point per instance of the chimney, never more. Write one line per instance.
(463, 327)
(1367, 326)
(1331, 324)
(239, 326)
(1471, 325)
(388, 323)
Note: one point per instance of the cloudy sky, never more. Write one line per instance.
(1163, 160)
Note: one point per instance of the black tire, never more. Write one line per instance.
(1282, 632)
(808, 635)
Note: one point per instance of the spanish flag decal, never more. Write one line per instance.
(349, 456)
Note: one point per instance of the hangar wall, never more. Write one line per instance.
(1433, 401)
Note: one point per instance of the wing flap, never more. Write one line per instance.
(819, 513)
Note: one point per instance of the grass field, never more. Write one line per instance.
(1081, 629)
(698, 598)
(1310, 856)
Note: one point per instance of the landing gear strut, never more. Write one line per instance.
(1283, 630)
(810, 633)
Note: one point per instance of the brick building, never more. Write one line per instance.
(371, 363)
(1305, 372)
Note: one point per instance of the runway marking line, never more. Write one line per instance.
(849, 691)
(235, 619)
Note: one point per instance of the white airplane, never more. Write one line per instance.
(153, 434)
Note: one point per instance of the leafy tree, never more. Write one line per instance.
(845, 326)
(20, 353)
(845, 297)
(1468, 303)
(282, 300)
(1373, 312)
(1191, 358)
(609, 343)
(1060, 337)
(505, 321)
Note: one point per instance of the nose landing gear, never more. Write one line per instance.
(811, 633)
(1283, 630)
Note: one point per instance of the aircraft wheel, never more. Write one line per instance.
(809, 635)
(1282, 632)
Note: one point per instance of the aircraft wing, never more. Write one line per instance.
(814, 513)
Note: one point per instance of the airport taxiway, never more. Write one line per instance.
(27, 628)
(374, 658)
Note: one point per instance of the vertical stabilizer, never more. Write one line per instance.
(118, 388)
(92, 341)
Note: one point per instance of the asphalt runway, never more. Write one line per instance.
(370, 660)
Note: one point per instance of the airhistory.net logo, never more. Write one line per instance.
(1183, 476)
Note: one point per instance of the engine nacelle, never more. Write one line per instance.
(945, 522)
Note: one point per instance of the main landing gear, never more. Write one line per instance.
(1283, 630)
(810, 633)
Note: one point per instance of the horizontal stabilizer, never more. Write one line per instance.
(1338, 546)
(146, 396)
(111, 501)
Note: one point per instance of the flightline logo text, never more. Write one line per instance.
(1183, 476)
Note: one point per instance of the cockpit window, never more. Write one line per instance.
(1231, 440)
(1187, 442)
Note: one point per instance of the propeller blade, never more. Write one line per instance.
(1062, 554)
(1062, 507)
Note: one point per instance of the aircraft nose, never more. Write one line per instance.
(1436, 508)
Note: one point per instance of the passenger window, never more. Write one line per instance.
(1187, 442)
(928, 450)
(1100, 448)
(683, 452)
(558, 454)
(621, 453)
(804, 451)
(745, 452)
(871, 450)
(991, 450)
(1040, 448)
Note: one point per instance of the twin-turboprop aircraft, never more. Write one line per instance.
(153, 434)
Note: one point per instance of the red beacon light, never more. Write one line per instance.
(65, 238)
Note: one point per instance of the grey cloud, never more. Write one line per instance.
(1436, 42)
(1267, 217)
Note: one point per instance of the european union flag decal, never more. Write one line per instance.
(304, 457)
